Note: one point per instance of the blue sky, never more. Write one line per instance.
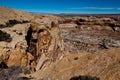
(65, 6)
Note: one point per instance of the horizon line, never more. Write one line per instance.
(72, 13)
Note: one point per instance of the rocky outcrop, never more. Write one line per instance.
(33, 42)
(90, 34)
(45, 40)
(92, 22)
(18, 57)
(47, 47)
(103, 65)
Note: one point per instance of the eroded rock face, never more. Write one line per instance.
(18, 57)
(45, 40)
(30, 40)
(41, 41)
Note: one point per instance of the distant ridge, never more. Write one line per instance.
(88, 15)
(77, 14)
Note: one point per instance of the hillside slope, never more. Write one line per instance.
(12, 16)
(104, 65)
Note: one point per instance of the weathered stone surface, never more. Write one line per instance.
(103, 65)
(18, 57)
(58, 48)
(90, 34)
(45, 40)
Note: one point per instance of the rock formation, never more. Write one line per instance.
(90, 34)
(48, 47)
(45, 40)
(28, 40)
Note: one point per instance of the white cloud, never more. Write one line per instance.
(96, 8)
(118, 8)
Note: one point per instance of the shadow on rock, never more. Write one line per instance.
(13, 73)
(5, 36)
(84, 78)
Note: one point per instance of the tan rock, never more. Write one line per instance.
(45, 40)
(103, 65)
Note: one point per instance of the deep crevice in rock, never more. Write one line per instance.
(84, 78)
(5, 36)
(11, 23)
(3, 65)
(28, 36)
